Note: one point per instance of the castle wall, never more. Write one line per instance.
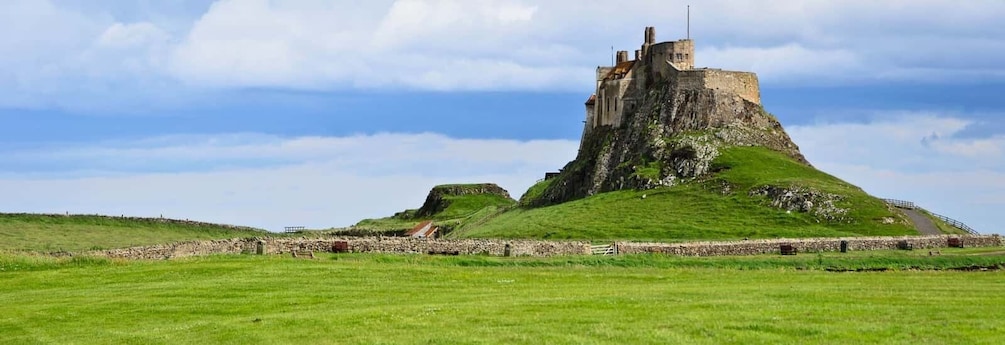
(668, 57)
(611, 100)
(743, 84)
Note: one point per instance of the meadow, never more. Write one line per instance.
(56, 233)
(365, 298)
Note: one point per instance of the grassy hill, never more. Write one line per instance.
(451, 206)
(39, 232)
(728, 204)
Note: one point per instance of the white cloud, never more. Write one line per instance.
(784, 63)
(314, 181)
(918, 157)
(63, 55)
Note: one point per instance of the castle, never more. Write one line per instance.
(620, 88)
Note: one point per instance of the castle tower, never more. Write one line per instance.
(650, 39)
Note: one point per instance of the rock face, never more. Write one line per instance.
(437, 200)
(802, 199)
(673, 135)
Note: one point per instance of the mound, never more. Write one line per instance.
(450, 206)
(754, 192)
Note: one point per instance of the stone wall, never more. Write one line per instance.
(743, 84)
(755, 247)
(401, 245)
(497, 247)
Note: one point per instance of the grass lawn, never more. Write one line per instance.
(84, 232)
(425, 299)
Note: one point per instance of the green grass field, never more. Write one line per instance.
(699, 210)
(79, 232)
(425, 299)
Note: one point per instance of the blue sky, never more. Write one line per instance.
(320, 113)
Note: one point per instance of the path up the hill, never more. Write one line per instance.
(924, 224)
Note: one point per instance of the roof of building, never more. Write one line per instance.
(592, 100)
(620, 69)
(425, 229)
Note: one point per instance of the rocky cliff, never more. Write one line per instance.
(672, 137)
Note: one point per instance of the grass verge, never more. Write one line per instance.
(422, 299)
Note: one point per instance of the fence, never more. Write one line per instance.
(952, 222)
(290, 229)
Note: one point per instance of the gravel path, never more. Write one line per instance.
(924, 224)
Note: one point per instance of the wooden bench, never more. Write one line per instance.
(303, 254)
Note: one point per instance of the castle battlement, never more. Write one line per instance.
(620, 88)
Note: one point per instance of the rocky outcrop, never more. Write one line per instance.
(438, 198)
(673, 136)
(801, 199)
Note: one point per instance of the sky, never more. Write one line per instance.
(274, 113)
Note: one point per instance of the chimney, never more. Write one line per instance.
(622, 56)
(638, 54)
(651, 35)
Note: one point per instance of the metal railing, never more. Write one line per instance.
(952, 222)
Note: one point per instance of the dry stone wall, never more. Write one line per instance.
(755, 247)
(401, 245)
(496, 247)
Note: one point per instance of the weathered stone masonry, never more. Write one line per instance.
(399, 245)
(498, 247)
(755, 247)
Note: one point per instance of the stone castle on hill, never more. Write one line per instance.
(620, 88)
(656, 120)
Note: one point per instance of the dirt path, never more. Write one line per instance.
(924, 224)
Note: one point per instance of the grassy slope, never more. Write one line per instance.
(78, 232)
(698, 210)
(462, 209)
(426, 299)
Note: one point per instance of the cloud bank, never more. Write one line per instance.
(918, 157)
(53, 49)
(268, 181)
